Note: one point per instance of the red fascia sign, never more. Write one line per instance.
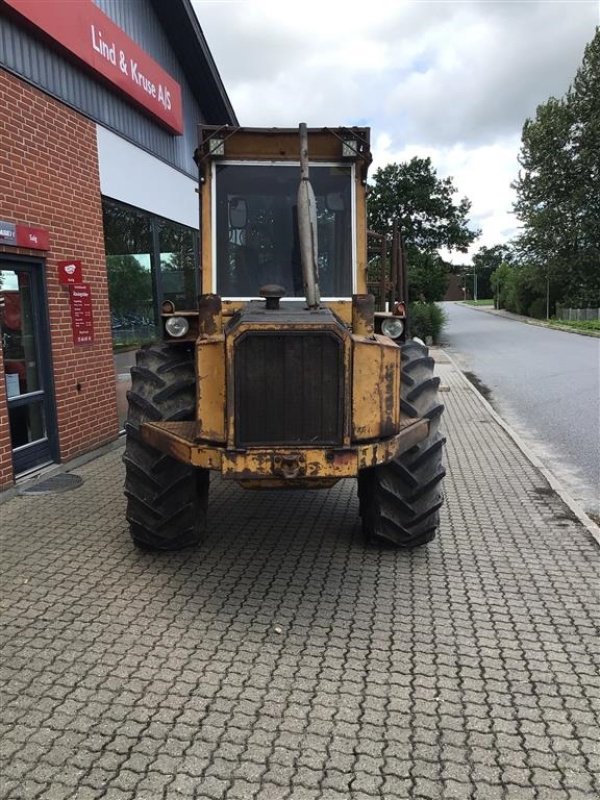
(85, 31)
(82, 320)
(69, 272)
(34, 238)
(17, 235)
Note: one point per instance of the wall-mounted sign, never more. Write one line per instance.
(69, 272)
(86, 32)
(8, 233)
(82, 320)
(34, 238)
(17, 235)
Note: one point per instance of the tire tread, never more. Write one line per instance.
(400, 501)
(166, 499)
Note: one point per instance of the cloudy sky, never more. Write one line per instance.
(450, 79)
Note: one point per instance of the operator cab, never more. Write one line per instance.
(256, 228)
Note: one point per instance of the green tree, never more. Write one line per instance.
(485, 261)
(422, 204)
(558, 188)
(428, 277)
(412, 194)
(520, 288)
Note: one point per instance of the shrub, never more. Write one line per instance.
(426, 319)
(520, 288)
(428, 277)
(537, 308)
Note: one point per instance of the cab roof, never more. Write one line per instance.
(283, 144)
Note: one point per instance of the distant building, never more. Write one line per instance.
(454, 290)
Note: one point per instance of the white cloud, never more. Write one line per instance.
(482, 173)
(452, 80)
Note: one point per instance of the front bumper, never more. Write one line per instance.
(179, 440)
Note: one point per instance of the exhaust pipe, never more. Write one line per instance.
(307, 227)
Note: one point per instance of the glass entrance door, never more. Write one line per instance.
(28, 375)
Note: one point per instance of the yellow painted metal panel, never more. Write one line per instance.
(206, 227)
(179, 440)
(411, 433)
(285, 466)
(293, 464)
(375, 388)
(361, 236)
(210, 388)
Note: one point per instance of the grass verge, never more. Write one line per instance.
(577, 324)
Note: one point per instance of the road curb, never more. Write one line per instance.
(539, 323)
(553, 481)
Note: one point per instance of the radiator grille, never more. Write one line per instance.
(289, 389)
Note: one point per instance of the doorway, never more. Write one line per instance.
(27, 364)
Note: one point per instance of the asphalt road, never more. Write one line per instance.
(544, 383)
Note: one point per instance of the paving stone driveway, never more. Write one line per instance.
(284, 659)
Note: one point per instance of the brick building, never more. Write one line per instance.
(98, 210)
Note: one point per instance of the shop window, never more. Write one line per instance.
(148, 260)
(129, 264)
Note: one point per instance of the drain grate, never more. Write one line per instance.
(55, 485)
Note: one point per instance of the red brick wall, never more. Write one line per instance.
(49, 179)
(5, 447)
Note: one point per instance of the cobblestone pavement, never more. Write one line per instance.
(284, 659)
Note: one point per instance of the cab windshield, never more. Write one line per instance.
(257, 229)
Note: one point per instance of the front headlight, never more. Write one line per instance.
(177, 327)
(392, 327)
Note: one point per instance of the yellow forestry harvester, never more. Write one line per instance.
(285, 376)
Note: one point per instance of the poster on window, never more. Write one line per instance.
(12, 385)
(80, 295)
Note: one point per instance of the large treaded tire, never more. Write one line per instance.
(166, 499)
(400, 500)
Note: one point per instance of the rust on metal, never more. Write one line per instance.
(279, 462)
(411, 433)
(210, 388)
(209, 315)
(180, 440)
(281, 483)
(290, 465)
(375, 388)
(390, 286)
(383, 276)
(363, 314)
